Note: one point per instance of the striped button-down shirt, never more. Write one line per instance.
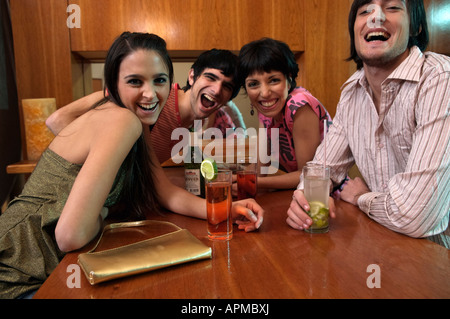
(403, 151)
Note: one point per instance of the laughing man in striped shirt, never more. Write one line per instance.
(393, 122)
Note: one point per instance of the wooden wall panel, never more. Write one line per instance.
(189, 26)
(42, 52)
(327, 45)
(282, 20)
(438, 19)
(42, 49)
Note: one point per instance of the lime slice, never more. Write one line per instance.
(319, 214)
(208, 168)
(316, 207)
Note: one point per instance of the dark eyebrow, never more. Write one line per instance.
(161, 74)
(140, 76)
(211, 75)
(230, 83)
(132, 76)
(279, 73)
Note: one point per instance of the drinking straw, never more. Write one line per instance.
(324, 144)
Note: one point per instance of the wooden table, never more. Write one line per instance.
(280, 262)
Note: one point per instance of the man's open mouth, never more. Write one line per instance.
(377, 36)
(208, 101)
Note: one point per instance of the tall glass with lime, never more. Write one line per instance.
(218, 201)
(317, 191)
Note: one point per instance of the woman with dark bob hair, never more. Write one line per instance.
(268, 72)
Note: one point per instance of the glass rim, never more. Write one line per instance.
(224, 170)
(316, 170)
(314, 164)
(226, 178)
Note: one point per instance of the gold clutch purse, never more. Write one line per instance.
(173, 248)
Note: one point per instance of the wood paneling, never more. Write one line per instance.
(188, 26)
(43, 43)
(438, 19)
(42, 49)
(42, 52)
(327, 45)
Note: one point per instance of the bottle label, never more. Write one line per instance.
(192, 181)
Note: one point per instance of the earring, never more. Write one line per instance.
(252, 111)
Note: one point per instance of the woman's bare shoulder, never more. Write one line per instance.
(110, 116)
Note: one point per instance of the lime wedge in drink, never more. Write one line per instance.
(208, 168)
(315, 207)
(319, 214)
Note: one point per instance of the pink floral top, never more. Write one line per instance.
(297, 98)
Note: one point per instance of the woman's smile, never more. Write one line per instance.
(268, 104)
(149, 107)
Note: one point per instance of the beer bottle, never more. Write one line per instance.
(194, 181)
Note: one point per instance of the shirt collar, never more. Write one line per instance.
(407, 70)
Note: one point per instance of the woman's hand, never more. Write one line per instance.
(248, 214)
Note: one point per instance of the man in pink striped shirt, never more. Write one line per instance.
(393, 122)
